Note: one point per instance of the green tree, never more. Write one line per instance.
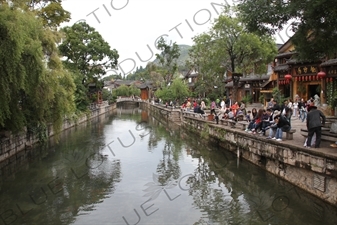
(36, 90)
(205, 60)
(313, 21)
(241, 51)
(178, 90)
(86, 52)
(227, 46)
(168, 59)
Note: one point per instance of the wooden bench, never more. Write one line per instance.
(289, 134)
(244, 124)
(326, 134)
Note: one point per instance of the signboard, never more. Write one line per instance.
(303, 70)
(247, 85)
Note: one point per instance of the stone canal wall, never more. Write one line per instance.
(13, 147)
(311, 171)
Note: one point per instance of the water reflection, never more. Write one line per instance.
(249, 195)
(135, 168)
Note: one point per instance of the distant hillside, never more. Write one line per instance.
(182, 58)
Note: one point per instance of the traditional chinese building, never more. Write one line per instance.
(303, 78)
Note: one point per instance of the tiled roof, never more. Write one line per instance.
(285, 54)
(281, 67)
(330, 62)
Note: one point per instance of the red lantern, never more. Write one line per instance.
(331, 79)
(321, 74)
(327, 79)
(309, 78)
(288, 77)
(302, 78)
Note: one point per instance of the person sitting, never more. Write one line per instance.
(197, 109)
(249, 116)
(229, 114)
(267, 120)
(283, 124)
(273, 125)
(255, 123)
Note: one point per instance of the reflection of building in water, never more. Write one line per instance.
(144, 116)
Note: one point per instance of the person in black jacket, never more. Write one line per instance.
(283, 124)
(275, 106)
(315, 121)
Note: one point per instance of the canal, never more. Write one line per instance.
(131, 168)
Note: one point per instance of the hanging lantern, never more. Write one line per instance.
(327, 79)
(331, 79)
(288, 77)
(309, 78)
(302, 78)
(321, 74)
(313, 77)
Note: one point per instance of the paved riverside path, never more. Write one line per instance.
(298, 141)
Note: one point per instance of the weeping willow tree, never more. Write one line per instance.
(35, 89)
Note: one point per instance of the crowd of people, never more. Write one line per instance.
(274, 118)
(277, 119)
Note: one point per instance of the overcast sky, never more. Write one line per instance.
(133, 26)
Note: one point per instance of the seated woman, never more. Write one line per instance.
(256, 122)
(235, 108)
(283, 124)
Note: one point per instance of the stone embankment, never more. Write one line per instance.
(313, 170)
(14, 148)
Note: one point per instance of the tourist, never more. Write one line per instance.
(213, 106)
(284, 106)
(283, 124)
(235, 108)
(203, 105)
(276, 106)
(315, 121)
(295, 108)
(302, 110)
(243, 107)
(223, 105)
(188, 105)
(266, 121)
(197, 109)
(256, 122)
(229, 101)
(270, 104)
(273, 125)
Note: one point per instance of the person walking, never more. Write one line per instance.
(315, 120)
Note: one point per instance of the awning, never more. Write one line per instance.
(266, 83)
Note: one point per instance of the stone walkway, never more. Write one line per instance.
(298, 140)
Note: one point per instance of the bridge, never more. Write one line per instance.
(130, 99)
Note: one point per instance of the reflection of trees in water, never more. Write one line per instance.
(71, 179)
(249, 195)
(168, 167)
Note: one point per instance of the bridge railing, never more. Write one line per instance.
(129, 99)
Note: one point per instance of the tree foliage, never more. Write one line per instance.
(168, 59)
(86, 52)
(127, 91)
(313, 21)
(228, 46)
(178, 90)
(36, 90)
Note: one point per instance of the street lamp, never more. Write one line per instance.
(236, 79)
